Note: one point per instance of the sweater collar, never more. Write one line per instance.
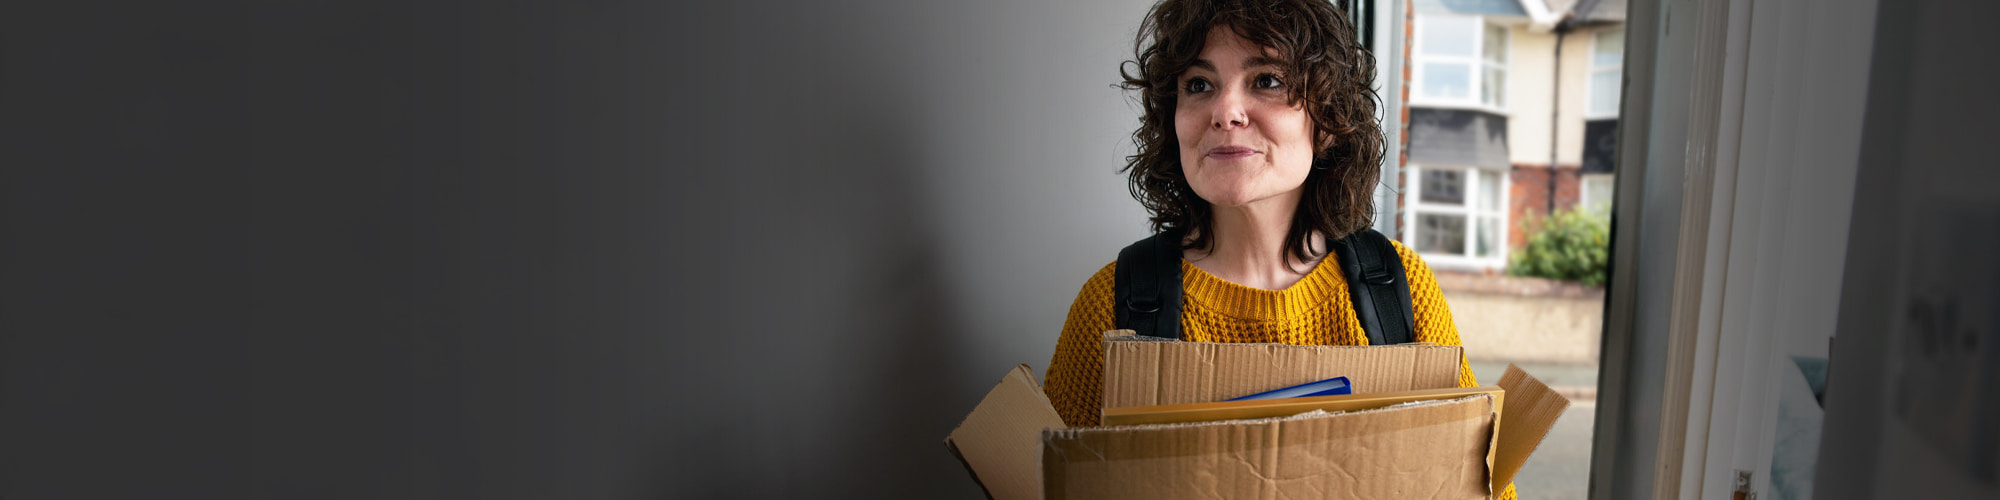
(1217, 294)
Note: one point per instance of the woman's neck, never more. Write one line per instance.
(1247, 247)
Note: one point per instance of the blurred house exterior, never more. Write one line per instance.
(1511, 112)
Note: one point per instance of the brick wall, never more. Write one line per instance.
(1529, 195)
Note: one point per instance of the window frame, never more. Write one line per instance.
(1468, 260)
(1477, 63)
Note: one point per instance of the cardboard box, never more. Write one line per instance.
(1451, 447)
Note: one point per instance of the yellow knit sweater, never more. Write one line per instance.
(1314, 311)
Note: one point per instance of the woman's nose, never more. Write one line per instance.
(1229, 112)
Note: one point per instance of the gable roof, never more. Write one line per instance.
(1542, 15)
(1599, 11)
(1471, 7)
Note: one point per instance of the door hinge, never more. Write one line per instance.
(1743, 491)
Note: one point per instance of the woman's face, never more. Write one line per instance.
(1241, 142)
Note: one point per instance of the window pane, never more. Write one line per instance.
(1610, 48)
(1495, 49)
(1597, 193)
(1448, 35)
(1489, 237)
(1447, 80)
(1443, 186)
(1441, 233)
(1604, 93)
(1493, 88)
(1489, 191)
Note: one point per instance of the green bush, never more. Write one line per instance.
(1571, 245)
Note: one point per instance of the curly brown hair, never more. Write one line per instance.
(1325, 67)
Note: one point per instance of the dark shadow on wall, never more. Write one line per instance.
(590, 251)
(471, 250)
(843, 375)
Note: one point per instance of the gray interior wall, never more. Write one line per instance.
(561, 250)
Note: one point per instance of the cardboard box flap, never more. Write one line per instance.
(1147, 373)
(1429, 449)
(1531, 410)
(1000, 441)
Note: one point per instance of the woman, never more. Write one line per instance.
(1259, 143)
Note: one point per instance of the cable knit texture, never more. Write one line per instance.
(1314, 311)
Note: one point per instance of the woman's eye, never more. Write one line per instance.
(1268, 81)
(1196, 85)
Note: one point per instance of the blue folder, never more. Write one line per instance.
(1330, 387)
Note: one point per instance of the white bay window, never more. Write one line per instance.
(1459, 218)
(1595, 195)
(1459, 61)
(1607, 67)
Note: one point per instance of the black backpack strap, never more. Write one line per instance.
(1148, 291)
(1376, 282)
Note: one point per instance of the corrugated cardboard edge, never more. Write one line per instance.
(1071, 433)
(1131, 335)
(1531, 410)
(1000, 441)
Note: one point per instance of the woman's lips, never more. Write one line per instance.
(1230, 152)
